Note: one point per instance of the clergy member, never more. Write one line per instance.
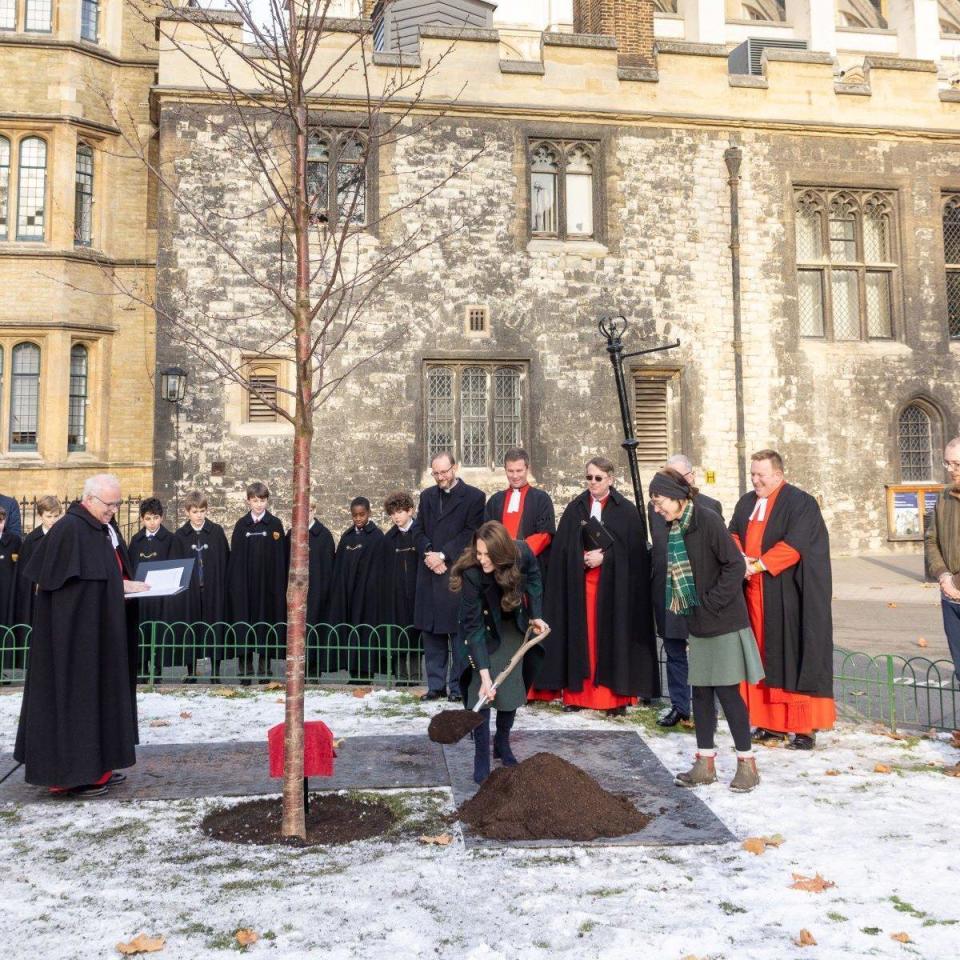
(786, 548)
(77, 721)
(602, 651)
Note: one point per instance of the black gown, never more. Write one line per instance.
(26, 591)
(322, 551)
(146, 549)
(353, 603)
(9, 637)
(77, 719)
(394, 580)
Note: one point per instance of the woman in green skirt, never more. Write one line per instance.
(501, 593)
(705, 584)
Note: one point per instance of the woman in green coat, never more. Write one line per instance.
(501, 593)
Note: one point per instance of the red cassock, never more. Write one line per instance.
(537, 542)
(771, 707)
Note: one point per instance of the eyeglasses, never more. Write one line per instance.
(441, 473)
(113, 505)
(952, 465)
(595, 479)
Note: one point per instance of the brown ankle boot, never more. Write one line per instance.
(700, 774)
(746, 777)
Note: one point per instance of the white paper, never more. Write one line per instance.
(163, 583)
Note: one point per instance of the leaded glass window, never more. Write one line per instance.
(318, 178)
(846, 264)
(951, 255)
(915, 435)
(4, 185)
(25, 397)
(351, 180)
(337, 177)
(563, 189)
(77, 414)
(90, 20)
(83, 198)
(8, 14)
(32, 186)
(474, 409)
(38, 15)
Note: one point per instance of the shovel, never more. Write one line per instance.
(451, 726)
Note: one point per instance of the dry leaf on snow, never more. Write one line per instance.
(932, 734)
(361, 692)
(141, 943)
(902, 937)
(894, 735)
(891, 604)
(159, 723)
(814, 884)
(922, 642)
(832, 773)
(274, 685)
(757, 845)
(805, 939)
(245, 936)
(953, 771)
(882, 768)
(185, 714)
(225, 692)
(442, 840)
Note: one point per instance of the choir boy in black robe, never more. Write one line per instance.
(151, 543)
(395, 583)
(204, 605)
(9, 554)
(352, 598)
(322, 551)
(257, 581)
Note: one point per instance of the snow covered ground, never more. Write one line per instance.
(79, 877)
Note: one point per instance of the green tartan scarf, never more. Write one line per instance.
(681, 590)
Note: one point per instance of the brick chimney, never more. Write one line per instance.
(630, 21)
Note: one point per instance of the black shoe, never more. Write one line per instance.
(431, 695)
(455, 698)
(88, 790)
(767, 737)
(502, 750)
(616, 711)
(570, 708)
(672, 717)
(115, 778)
(802, 741)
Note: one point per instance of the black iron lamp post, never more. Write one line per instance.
(613, 329)
(173, 388)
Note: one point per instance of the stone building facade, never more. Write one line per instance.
(76, 360)
(848, 200)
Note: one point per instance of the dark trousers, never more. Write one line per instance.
(436, 655)
(676, 651)
(951, 627)
(734, 709)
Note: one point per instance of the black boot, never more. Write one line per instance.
(501, 740)
(481, 756)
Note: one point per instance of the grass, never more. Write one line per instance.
(586, 927)
(605, 892)
(731, 908)
(837, 917)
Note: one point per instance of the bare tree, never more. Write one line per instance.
(279, 70)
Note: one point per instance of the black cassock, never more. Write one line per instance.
(394, 580)
(626, 644)
(26, 591)
(322, 550)
(353, 601)
(146, 549)
(76, 721)
(205, 604)
(257, 587)
(9, 555)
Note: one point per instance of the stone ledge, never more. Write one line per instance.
(638, 74)
(534, 67)
(435, 31)
(748, 80)
(589, 249)
(200, 15)
(590, 41)
(853, 89)
(898, 63)
(692, 49)
(950, 96)
(396, 59)
(796, 56)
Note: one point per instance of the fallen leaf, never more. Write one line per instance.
(443, 840)
(902, 937)
(891, 603)
(279, 700)
(361, 692)
(833, 773)
(245, 936)
(274, 685)
(895, 735)
(882, 768)
(337, 744)
(805, 939)
(922, 642)
(757, 845)
(953, 771)
(185, 714)
(225, 692)
(775, 841)
(932, 734)
(141, 943)
(814, 884)
(955, 739)
(159, 723)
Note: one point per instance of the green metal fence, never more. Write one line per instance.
(897, 691)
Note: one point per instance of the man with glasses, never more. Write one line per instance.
(942, 551)
(77, 722)
(671, 626)
(448, 515)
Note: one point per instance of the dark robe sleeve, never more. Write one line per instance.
(472, 630)
(730, 581)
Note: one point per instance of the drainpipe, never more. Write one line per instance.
(733, 157)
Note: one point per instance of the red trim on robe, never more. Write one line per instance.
(512, 520)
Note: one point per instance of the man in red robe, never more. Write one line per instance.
(788, 586)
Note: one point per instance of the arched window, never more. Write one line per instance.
(352, 179)
(951, 255)
(90, 20)
(32, 189)
(4, 185)
(440, 411)
(579, 185)
(318, 178)
(665, 6)
(918, 434)
(77, 414)
(544, 168)
(38, 15)
(83, 198)
(25, 397)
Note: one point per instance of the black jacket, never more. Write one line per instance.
(718, 569)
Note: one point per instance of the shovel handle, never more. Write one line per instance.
(530, 640)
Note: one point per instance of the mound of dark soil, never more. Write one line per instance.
(331, 819)
(547, 798)
(451, 726)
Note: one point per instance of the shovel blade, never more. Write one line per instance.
(451, 726)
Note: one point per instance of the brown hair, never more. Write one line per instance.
(505, 556)
(602, 463)
(776, 461)
(195, 499)
(398, 500)
(49, 504)
(258, 489)
(514, 454)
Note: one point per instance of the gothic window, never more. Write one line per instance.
(90, 20)
(846, 264)
(765, 10)
(4, 185)
(917, 436)
(563, 189)
(77, 413)
(83, 198)
(474, 409)
(951, 254)
(32, 186)
(25, 397)
(38, 15)
(342, 195)
(8, 14)
(665, 6)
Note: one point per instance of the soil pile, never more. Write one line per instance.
(547, 798)
(331, 819)
(451, 726)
